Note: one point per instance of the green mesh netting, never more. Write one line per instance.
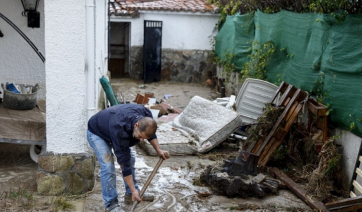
(313, 52)
(235, 37)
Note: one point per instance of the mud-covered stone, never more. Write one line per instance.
(71, 174)
(55, 163)
(243, 185)
(85, 167)
(52, 185)
(90, 183)
(75, 183)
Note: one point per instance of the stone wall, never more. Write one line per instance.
(65, 174)
(190, 66)
(136, 70)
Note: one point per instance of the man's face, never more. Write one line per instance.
(139, 135)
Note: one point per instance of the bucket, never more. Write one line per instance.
(20, 101)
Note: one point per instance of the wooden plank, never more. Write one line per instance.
(289, 92)
(344, 205)
(280, 133)
(286, 102)
(344, 202)
(294, 117)
(357, 164)
(266, 149)
(263, 161)
(253, 148)
(298, 190)
(282, 87)
(357, 186)
(280, 120)
(349, 208)
(317, 108)
(359, 172)
(290, 112)
(320, 111)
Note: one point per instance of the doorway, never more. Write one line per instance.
(118, 63)
(152, 49)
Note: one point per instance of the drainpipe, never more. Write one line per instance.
(90, 42)
(108, 28)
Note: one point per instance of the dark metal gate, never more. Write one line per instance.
(152, 51)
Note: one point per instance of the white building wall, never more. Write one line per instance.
(351, 145)
(181, 31)
(101, 42)
(18, 61)
(65, 40)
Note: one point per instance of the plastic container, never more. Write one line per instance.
(20, 101)
(11, 87)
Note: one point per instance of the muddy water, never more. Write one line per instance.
(172, 186)
(174, 191)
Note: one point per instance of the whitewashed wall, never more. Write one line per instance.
(351, 145)
(101, 42)
(182, 31)
(65, 48)
(18, 61)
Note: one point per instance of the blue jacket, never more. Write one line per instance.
(115, 125)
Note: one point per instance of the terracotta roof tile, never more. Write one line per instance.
(131, 7)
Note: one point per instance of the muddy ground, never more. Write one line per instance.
(172, 186)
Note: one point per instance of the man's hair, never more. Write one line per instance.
(147, 125)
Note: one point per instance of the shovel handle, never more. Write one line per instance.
(149, 180)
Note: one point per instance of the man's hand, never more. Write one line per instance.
(164, 154)
(135, 192)
(136, 196)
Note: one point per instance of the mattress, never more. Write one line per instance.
(199, 128)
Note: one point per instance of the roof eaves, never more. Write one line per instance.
(129, 7)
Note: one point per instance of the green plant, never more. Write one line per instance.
(227, 62)
(232, 208)
(62, 204)
(259, 58)
(319, 88)
(227, 8)
(18, 196)
(338, 9)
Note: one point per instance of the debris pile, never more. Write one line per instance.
(291, 135)
(321, 180)
(243, 185)
(264, 124)
(279, 139)
(168, 111)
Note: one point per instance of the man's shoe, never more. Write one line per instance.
(145, 197)
(114, 208)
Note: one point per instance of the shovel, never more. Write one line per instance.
(149, 180)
